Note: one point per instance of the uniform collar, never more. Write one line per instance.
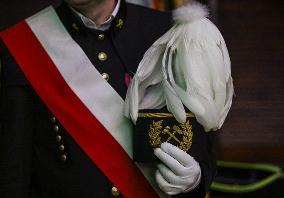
(76, 27)
(92, 25)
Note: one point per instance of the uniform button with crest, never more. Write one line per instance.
(56, 128)
(102, 56)
(53, 119)
(61, 147)
(58, 138)
(101, 37)
(105, 76)
(115, 192)
(63, 157)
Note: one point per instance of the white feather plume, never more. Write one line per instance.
(190, 12)
(188, 66)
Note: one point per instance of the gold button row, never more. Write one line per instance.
(102, 56)
(58, 138)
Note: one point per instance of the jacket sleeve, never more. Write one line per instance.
(16, 128)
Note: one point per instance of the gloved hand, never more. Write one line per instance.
(179, 172)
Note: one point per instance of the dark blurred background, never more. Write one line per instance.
(254, 32)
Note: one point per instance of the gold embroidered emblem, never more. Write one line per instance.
(119, 23)
(75, 27)
(180, 134)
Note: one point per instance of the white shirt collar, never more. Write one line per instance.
(89, 23)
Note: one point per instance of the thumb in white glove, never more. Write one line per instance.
(179, 173)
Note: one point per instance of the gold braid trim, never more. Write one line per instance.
(161, 115)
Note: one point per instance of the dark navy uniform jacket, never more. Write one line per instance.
(38, 158)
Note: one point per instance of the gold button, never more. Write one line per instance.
(115, 192)
(53, 119)
(102, 56)
(101, 37)
(119, 23)
(105, 76)
(56, 128)
(58, 138)
(61, 147)
(63, 157)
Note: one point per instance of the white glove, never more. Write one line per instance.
(179, 172)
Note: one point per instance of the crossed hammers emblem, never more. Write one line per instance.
(172, 134)
(181, 134)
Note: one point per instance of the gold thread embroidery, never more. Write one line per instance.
(161, 115)
(184, 130)
(119, 23)
(75, 27)
(187, 136)
(154, 133)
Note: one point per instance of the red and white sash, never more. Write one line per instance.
(74, 91)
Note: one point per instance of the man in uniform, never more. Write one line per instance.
(38, 156)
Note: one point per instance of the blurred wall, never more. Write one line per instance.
(254, 32)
